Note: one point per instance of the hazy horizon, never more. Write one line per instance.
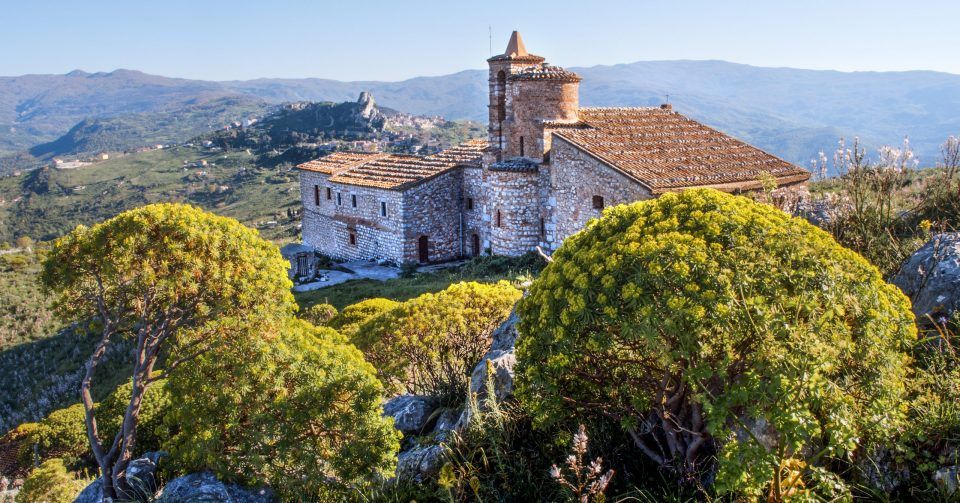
(365, 40)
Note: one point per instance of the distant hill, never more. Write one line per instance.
(789, 112)
(123, 132)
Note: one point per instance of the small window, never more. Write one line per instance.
(470, 203)
(598, 202)
(521, 146)
(339, 200)
(329, 193)
(499, 219)
(316, 195)
(383, 208)
(353, 239)
(543, 229)
(353, 200)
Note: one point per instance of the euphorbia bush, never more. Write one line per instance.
(430, 344)
(722, 334)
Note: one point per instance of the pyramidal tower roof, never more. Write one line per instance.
(515, 47)
(516, 51)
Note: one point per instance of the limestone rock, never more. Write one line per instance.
(497, 363)
(931, 277)
(410, 413)
(881, 470)
(947, 479)
(141, 477)
(420, 462)
(205, 487)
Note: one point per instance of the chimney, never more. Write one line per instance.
(666, 106)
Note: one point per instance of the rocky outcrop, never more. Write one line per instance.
(422, 457)
(931, 277)
(947, 479)
(141, 476)
(411, 413)
(205, 487)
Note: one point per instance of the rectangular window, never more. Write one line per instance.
(339, 200)
(316, 195)
(499, 219)
(383, 208)
(329, 193)
(353, 239)
(598, 202)
(469, 203)
(353, 200)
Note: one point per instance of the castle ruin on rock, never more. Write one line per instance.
(546, 168)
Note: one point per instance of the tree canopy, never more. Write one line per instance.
(174, 279)
(709, 326)
(297, 408)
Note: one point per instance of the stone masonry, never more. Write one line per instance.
(547, 167)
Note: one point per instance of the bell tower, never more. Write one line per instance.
(514, 60)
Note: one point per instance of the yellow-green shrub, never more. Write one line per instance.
(63, 433)
(320, 314)
(357, 314)
(151, 430)
(297, 408)
(714, 327)
(50, 483)
(429, 345)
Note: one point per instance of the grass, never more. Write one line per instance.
(481, 269)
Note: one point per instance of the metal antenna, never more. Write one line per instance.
(668, 98)
(490, 35)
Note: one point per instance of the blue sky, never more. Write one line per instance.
(393, 40)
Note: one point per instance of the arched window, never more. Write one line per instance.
(598, 202)
(499, 219)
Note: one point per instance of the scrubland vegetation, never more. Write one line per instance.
(696, 347)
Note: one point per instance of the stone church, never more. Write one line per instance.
(547, 167)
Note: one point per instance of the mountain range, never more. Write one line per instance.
(790, 112)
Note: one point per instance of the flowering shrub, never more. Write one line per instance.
(430, 344)
(50, 483)
(357, 314)
(711, 328)
(296, 408)
(587, 482)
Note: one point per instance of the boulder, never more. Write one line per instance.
(420, 462)
(931, 277)
(411, 413)
(496, 367)
(141, 476)
(206, 488)
(947, 479)
(446, 424)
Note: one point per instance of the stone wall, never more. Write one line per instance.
(516, 196)
(433, 209)
(475, 220)
(328, 227)
(576, 177)
(529, 103)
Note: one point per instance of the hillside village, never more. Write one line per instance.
(583, 304)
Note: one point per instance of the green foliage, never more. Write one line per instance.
(151, 429)
(296, 407)
(931, 438)
(62, 433)
(355, 315)
(175, 281)
(707, 323)
(320, 314)
(484, 269)
(51, 483)
(429, 345)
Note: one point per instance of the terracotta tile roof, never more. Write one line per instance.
(667, 151)
(546, 72)
(394, 171)
(339, 161)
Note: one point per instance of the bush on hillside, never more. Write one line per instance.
(62, 434)
(354, 315)
(712, 327)
(50, 483)
(296, 408)
(430, 344)
(151, 430)
(320, 314)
